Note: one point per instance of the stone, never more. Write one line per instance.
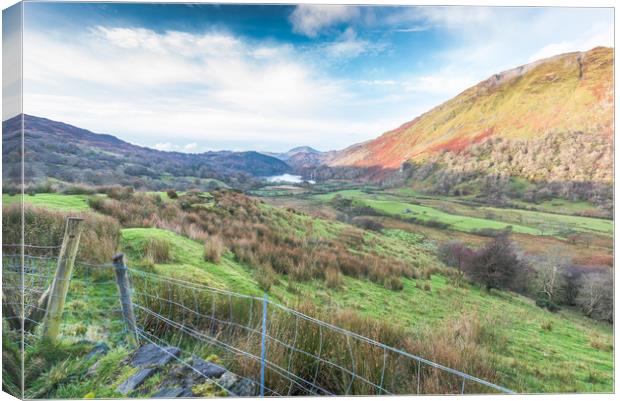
(153, 355)
(207, 369)
(237, 385)
(98, 350)
(173, 392)
(135, 381)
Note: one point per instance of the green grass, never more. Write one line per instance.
(531, 358)
(78, 203)
(556, 221)
(463, 217)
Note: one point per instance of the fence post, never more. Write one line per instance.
(60, 285)
(124, 292)
(263, 349)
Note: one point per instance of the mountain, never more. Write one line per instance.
(306, 150)
(551, 120)
(66, 153)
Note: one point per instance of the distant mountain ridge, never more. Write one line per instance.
(284, 156)
(67, 153)
(567, 99)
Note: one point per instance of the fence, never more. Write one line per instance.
(278, 350)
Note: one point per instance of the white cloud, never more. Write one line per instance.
(313, 20)
(349, 46)
(190, 147)
(167, 146)
(441, 83)
(597, 36)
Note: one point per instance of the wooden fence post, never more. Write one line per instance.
(124, 292)
(60, 285)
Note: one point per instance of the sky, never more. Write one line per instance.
(195, 78)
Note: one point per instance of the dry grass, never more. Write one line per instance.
(99, 240)
(459, 344)
(214, 249)
(257, 236)
(333, 278)
(157, 250)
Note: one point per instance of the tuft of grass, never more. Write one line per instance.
(333, 278)
(157, 250)
(213, 249)
(547, 325)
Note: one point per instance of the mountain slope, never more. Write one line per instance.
(67, 153)
(567, 94)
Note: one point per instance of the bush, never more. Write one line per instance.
(368, 224)
(214, 248)
(454, 254)
(393, 283)
(79, 190)
(157, 250)
(496, 265)
(172, 194)
(544, 303)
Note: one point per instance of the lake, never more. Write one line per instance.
(289, 178)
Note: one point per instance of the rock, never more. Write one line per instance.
(93, 369)
(98, 350)
(152, 355)
(173, 392)
(136, 380)
(237, 385)
(207, 369)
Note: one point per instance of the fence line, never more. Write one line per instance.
(280, 350)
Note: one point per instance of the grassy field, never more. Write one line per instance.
(78, 203)
(566, 357)
(407, 203)
(534, 350)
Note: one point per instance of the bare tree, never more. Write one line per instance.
(596, 295)
(550, 278)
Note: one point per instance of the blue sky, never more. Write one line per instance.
(206, 77)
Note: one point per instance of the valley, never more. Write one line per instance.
(478, 236)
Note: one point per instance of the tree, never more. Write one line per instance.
(496, 265)
(596, 295)
(551, 281)
(455, 253)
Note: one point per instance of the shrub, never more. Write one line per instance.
(213, 249)
(118, 192)
(79, 190)
(157, 250)
(393, 283)
(545, 303)
(454, 254)
(496, 265)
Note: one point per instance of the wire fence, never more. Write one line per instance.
(296, 353)
(278, 351)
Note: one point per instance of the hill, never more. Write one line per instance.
(551, 120)
(59, 151)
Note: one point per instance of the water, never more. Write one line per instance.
(288, 178)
